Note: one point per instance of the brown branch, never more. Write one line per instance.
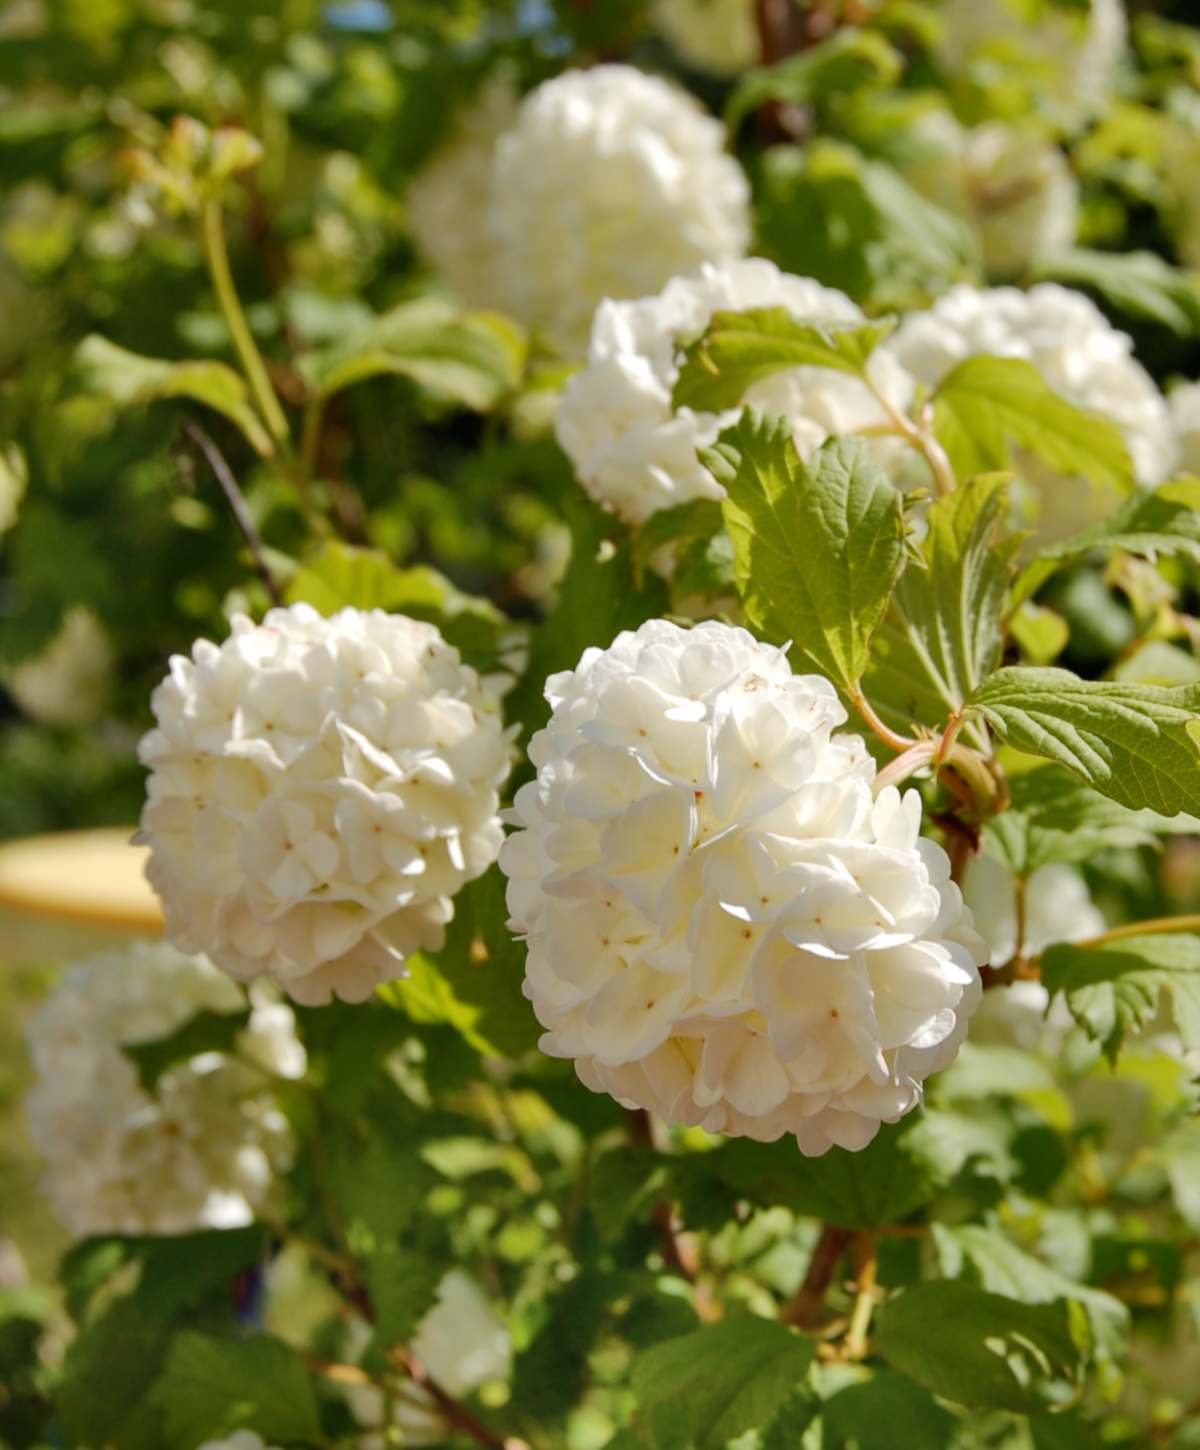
(784, 27)
(237, 505)
(805, 1309)
(456, 1415)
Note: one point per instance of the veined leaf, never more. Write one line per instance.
(129, 379)
(1114, 988)
(1137, 744)
(738, 349)
(818, 547)
(986, 405)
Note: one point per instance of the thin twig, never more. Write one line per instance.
(866, 1265)
(1155, 926)
(456, 1415)
(237, 504)
(805, 1309)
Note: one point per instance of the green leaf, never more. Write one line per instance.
(1114, 988)
(996, 1264)
(211, 1387)
(738, 349)
(700, 1390)
(1138, 744)
(205, 1032)
(1163, 522)
(849, 60)
(986, 405)
(469, 358)
(474, 982)
(980, 1349)
(1054, 816)
(339, 576)
(886, 1412)
(129, 380)
(818, 547)
(1041, 634)
(1140, 284)
(700, 549)
(828, 212)
(942, 635)
(784, 1429)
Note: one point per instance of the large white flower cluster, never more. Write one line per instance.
(1067, 55)
(609, 183)
(632, 452)
(1014, 187)
(319, 790)
(1076, 350)
(447, 199)
(201, 1150)
(723, 926)
(718, 36)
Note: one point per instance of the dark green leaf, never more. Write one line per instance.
(886, 1412)
(818, 547)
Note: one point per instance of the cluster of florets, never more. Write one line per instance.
(199, 1150)
(319, 790)
(723, 925)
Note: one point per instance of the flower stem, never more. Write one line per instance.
(239, 329)
(238, 507)
(866, 1265)
(805, 1309)
(891, 738)
(898, 770)
(1155, 926)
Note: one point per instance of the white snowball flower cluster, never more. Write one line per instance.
(718, 36)
(1014, 187)
(1076, 350)
(609, 183)
(723, 926)
(1067, 55)
(319, 790)
(463, 1343)
(447, 210)
(615, 422)
(1184, 403)
(198, 1152)
(70, 681)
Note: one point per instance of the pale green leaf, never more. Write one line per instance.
(1041, 634)
(738, 349)
(1140, 284)
(818, 547)
(986, 405)
(847, 61)
(1114, 988)
(129, 380)
(1136, 744)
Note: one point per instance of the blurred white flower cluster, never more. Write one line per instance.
(319, 789)
(1066, 54)
(70, 681)
(723, 926)
(718, 36)
(201, 1150)
(615, 422)
(462, 1343)
(607, 183)
(1014, 187)
(1079, 354)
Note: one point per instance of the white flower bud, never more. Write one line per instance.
(632, 452)
(319, 790)
(723, 926)
(201, 1150)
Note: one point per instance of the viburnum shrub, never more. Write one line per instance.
(648, 555)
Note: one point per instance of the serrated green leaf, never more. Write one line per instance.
(129, 379)
(469, 358)
(212, 1386)
(1134, 743)
(846, 62)
(942, 634)
(818, 547)
(700, 1390)
(986, 405)
(1114, 988)
(739, 349)
(204, 1032)
(1164, 522)
(980, 1349)
(1140, 284)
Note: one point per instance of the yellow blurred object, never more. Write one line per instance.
(94, 878)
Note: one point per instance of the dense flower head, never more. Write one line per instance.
(609, 183)
(319, 790)
(1067, 55)
(723, 925)
(719, 36)
(1076, 350)
(632, 452)
(200, 1150)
